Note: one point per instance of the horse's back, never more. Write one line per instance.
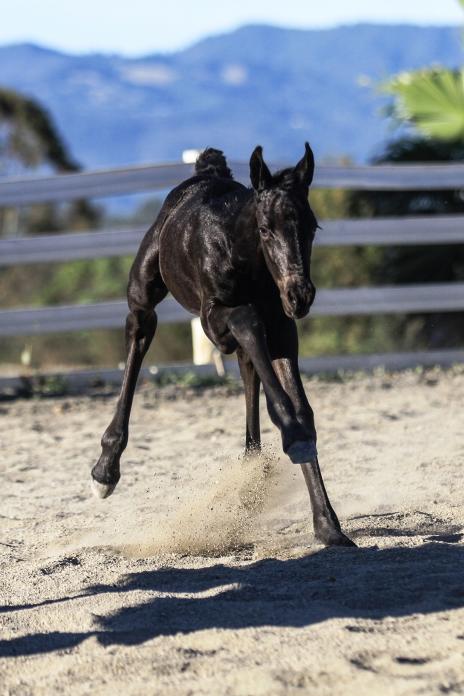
(196, 216)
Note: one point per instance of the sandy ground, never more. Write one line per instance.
(200, 574)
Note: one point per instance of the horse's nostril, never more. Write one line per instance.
(299, 298)
(292, 297)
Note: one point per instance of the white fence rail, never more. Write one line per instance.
(117, 182)
(439, 297)
(71, 246)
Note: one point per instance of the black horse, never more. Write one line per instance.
(240, 259)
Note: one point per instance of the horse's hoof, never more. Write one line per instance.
(335, 538)
(302, 452)
(102, 490)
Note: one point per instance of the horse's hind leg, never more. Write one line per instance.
(146, 289)
(251, 383)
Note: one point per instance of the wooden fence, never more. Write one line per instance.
(433, 230)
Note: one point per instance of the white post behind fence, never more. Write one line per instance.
(204, 352)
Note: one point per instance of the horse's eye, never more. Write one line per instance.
(264, 232)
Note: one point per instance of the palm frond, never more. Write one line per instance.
(432, 100)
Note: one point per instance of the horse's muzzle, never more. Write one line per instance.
(297, 298)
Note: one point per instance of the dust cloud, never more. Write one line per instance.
(216, 520)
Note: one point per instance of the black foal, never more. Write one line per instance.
(240, 259)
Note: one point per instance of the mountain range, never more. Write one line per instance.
(258, 84)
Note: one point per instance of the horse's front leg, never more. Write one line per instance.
(146, 289)
(140, 329)
(283, 347)
(232, 327)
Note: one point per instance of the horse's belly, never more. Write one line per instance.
(178, 273)
(187, 297)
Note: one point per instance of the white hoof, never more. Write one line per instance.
(302, 452)
(102, 490)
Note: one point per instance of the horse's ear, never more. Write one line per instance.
(304, 170)
(261, 177)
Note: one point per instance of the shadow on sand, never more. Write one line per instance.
(345, 583)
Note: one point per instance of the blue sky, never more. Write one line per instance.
(147, 26)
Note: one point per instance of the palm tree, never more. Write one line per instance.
(29, 139)
(28, 136)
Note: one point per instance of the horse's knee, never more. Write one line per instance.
(291, 428)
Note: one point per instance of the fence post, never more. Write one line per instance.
(204, 351)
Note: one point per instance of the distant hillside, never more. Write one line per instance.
(258, 84)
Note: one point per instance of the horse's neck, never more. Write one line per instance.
(246, 231)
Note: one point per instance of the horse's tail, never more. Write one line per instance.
(212, 162)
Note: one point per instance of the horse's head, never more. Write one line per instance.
(287, 226)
